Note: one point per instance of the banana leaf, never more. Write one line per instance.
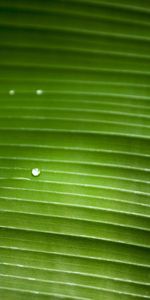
(74, 149)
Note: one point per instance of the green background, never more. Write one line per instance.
(80, 230)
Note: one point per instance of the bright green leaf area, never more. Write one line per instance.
(75, 103)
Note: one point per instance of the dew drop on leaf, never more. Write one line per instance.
(39, 92)
(35, 172)
(11, 92)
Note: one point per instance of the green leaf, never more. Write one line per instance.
(75, 105)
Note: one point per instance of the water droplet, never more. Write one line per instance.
(35, 172)
(39, 92)
(11, 92)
